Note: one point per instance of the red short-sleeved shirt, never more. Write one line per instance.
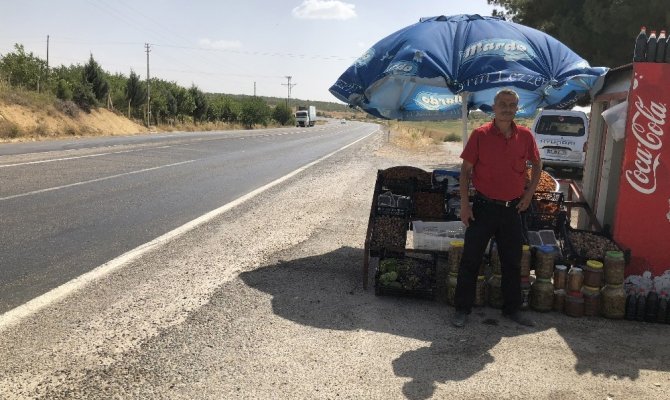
(499, 170)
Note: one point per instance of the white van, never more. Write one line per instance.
(561, 137)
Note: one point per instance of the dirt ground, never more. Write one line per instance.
(266, 302)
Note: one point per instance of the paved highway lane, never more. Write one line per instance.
(67, 207)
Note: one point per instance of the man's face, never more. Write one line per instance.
(505, 107)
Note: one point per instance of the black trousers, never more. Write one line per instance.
(505, 223)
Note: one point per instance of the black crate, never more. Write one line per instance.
(423, 268)
(580, 254)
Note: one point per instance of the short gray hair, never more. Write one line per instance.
(506, 91)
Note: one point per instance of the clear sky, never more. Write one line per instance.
(220, 46)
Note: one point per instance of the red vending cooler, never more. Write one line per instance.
(642, 215)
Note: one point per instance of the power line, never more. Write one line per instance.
(290, 86)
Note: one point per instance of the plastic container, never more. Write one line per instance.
(495, 295)
(574, 304)
(641, 305)
(631, 306)
(525, 260)
(560, 277)
(613, 301)
(614, 266)
(480, 291)
(451, 288)
(591, 301)
(436, 236)
(455, 253)
(575, 279)
(542, 295)
(662, 308)
(593, 274)
(544, 262)
(651, 310)
(559, 300)
(525, 292)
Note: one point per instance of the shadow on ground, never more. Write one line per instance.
(325, 291)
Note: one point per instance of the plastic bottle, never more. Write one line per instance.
(641, 305)
(640, 45)
(667, 50)
(631, 306)
(525, 293)
(660, 47)
(662, 308)
(651, 309)
(651, 47)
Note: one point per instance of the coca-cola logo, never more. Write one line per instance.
(647, 127)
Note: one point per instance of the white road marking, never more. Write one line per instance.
(77, 157)
(92, 181)
(17, 314)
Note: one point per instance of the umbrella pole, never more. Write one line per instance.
(464, 116)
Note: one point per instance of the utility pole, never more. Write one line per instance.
(289, 85)
(148, 50)
(47, 77)
(254, 88)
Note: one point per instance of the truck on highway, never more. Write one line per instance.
(305, 116)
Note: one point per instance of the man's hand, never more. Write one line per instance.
(525, 201)
(466, 213)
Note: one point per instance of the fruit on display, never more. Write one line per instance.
(406, 273)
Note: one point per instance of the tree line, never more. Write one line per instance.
(89, 86)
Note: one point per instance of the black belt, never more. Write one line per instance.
(503, 203)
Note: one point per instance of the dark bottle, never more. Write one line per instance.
(662, 308)
(667, 50)
(640, 45)
(661, 47)
(652, 306)
(641, 306)
(631, 304)
(651, 47)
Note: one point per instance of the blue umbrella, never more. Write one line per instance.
(441, 67)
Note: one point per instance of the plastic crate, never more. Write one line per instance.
(422, 268)
(436, 236)
(389, 232)
(588, 251)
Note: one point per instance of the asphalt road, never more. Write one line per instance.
(69, 206)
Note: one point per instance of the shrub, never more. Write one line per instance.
(68, 108)
(452, 137)
(9, 130)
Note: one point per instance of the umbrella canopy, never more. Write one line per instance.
(435, 68)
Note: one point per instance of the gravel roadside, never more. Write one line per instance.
(266, 301)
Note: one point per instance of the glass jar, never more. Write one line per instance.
(495, 295)
(593, 274)
(560, 277)
(574, 304)
(542, 295)
(613, 301)
(614, 268)
(480, 291)
(525, 260)
(455, 253)
(544, 262)
(559, 300)
(591, 301)
(451, 288)
(496, 269)
(575, 279)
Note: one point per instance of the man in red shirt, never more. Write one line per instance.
(494, 160)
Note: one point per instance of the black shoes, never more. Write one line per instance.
(520, 318)
(459, 319)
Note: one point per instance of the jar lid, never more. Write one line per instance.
(457, 243)
(525, 247)
(559, 292)
(454, 274)
(595, 264)
(575, 294)
(543, 280)
(590, 290)
(546, 248)
(481, 277)
(576, 270)
(561, 267)
(614, 254)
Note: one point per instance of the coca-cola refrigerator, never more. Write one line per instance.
(642, 213)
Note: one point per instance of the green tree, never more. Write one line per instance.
(95, 77)
(135, 93)
(185, 103)
(21, 69)
(83, 96)
(601, 31)
(254, 110)
(283, 115)
(63, 90)
(200, 102)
